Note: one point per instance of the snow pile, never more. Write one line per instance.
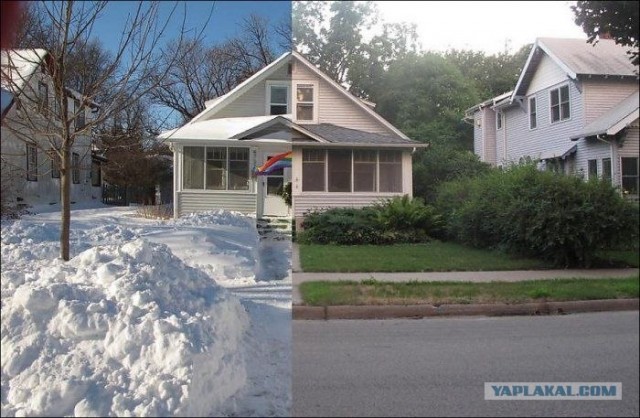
(119, 330)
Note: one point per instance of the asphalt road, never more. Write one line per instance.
(437, 367)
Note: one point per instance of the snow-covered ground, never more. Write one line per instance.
(149, 318)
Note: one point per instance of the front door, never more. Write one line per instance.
(272, 184)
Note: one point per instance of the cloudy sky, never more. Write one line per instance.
(483, 25)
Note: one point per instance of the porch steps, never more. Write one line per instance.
(274, 228)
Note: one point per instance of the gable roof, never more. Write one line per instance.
(614, 120)
(18, 65)
(577, 58)
(338, 134)
(217, 104)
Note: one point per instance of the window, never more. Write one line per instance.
(75, 168)
(339, 176)
(43, 95)
(630, 176)
(215, 168)
(216, 178)
(499, 121)
(593, 169)
(79, 114)
(96, 174)
(390, 171)
(313, 168)
(278, 99)
(533, 113)
(364, 171)
(55, 164)
(193, 170)
(32, 162)
(238, 168)
(305, 102)
(606, 169)
(560, 107)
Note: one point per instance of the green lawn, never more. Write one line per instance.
(371, 292)
(433, 256)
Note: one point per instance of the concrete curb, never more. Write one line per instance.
(302, 312)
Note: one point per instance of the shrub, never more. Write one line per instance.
(391, 221)
(538, 214)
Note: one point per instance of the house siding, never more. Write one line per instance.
(600, 95)
(253, 102)
(335, 108)
(524, 142)
(630, 148)
(191, 202)
(547, 74)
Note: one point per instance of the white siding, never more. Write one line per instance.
(254, 101)
(630, 148)
(601, 95)
(323, 201)
(335, 108)
(190, 202)
(547, 74)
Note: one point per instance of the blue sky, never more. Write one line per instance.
(224, 22)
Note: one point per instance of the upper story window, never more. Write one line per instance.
(559, 103)
(32, 163)
(533, 113)
(277, 98)
(79, 114)
(43, 95)
(306, 102)
(75, 168)
(499, 120)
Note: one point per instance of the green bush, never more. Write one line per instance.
(392, 221)
(536, 213)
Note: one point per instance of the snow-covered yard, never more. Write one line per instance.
(149, 318)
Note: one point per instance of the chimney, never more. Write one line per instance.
(605, 35)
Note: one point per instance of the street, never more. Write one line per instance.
(437, 367)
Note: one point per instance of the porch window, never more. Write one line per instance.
(215, 168)
(606, 169)
(32, 162)
(339, 170)
(560, 105)
(305, 102)
(75, 168)
(390, 171)
(278, 99)
(592, 169)
(193, 171)
(238, 168)
(313, 168)
(364, 171)
(630, 176)
(533, 113)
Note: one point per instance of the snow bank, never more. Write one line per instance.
(122, 329)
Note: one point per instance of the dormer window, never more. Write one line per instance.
(277, 98)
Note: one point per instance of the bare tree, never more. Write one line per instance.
(54, 126)
(204, 73)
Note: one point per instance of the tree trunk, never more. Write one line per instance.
(65, 201)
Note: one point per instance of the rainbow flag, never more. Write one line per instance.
(274, 163)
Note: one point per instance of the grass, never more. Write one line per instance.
(432, 256)
(372, 292)
(619, 258)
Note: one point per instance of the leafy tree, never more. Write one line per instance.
(617, 19)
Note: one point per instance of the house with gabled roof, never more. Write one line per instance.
(574, 109)
(30, 117)
(343, 153)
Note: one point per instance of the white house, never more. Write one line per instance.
(574, 108)
(30, 174)
(343, 153)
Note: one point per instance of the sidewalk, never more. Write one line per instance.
(456, 276)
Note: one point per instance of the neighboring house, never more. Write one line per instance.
(574, 108)
(30, 174)
(343, 153)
